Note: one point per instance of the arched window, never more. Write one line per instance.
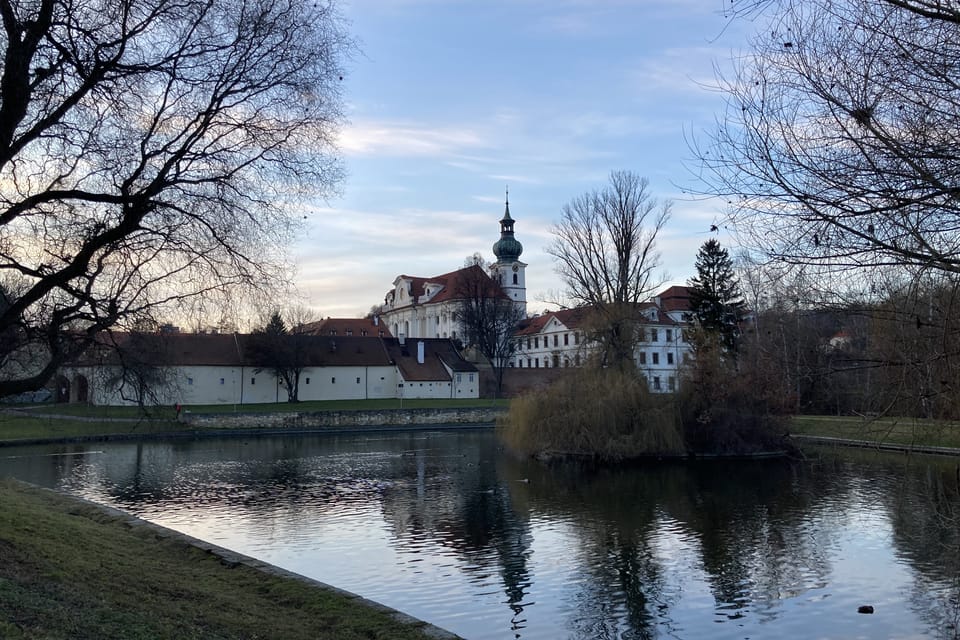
(515, 279)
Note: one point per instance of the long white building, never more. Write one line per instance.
(201, 369)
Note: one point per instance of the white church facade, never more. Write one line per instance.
(417, 307)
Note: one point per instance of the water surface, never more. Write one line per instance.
(444, 526)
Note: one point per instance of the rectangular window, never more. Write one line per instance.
(536, 363)
(671, 383)
(566, 339)
(669, 335)
(576, 338)
(222, 381)
(190, 381)
(669, 358)
(556, 340)
(643, 357)
(528, 363)
(308, 381)
(536, 343)
(333, 380)
(656, 383)
(358, 380)
(528, 343)
(253, 381)
(459, 378)
(656, 358)
(653, 335)
(470, 377)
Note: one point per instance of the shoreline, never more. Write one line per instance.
(231, 559)
(202, 434)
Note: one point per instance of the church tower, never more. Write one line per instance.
(508, 270)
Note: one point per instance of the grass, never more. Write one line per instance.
(82, 420)
(886, 430)
(19, 427)
(90, 411)
(69, 570)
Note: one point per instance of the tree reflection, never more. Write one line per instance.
(630, 540)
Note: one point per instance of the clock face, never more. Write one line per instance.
(516, 268)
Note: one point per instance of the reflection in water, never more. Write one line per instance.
(444, 526)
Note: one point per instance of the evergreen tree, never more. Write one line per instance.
(715, 297)
(279, 350)
(275, 326)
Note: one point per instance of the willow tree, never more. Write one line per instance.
(150, 152)
(605, 252)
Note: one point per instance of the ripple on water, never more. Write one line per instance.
(427, 526)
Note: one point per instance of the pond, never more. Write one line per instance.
(446, 527)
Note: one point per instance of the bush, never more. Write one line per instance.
(601, 413)
(728, 406)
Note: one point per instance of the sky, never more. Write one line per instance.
(451, 102)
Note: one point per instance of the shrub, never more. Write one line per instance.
(730, 406)
(601, 413)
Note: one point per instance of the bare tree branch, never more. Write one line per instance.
(150, 152)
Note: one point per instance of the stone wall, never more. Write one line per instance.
(342, 419)
(517, 382)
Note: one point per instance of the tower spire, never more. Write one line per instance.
(507, 249)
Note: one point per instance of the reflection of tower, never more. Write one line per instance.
(508, 270)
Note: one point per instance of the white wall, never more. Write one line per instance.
(244, 385)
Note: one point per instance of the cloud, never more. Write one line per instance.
(368, 138)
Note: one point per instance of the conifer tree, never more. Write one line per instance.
(715, 297)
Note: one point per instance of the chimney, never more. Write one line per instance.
(420, 352)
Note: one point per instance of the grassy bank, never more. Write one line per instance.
(81, 420)
(886, 430)
(68, 570)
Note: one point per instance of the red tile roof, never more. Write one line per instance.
(348, 327)
(675, 298)
(233, 350)
(455, 285)
(571, 318)
(437, 352)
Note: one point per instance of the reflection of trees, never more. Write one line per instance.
(749, 522)
(460, 499)
(923, 503)
(615, 513)
(754, 528)
(760, 532)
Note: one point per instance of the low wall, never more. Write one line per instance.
(322, 419)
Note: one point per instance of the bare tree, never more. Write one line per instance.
(281, 347)
(150, 152)
(487, 317)
(605, 253)
(143, 371)
(838, 144)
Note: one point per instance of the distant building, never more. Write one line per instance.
(418, 307)
(218, 369)
(559, 339)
